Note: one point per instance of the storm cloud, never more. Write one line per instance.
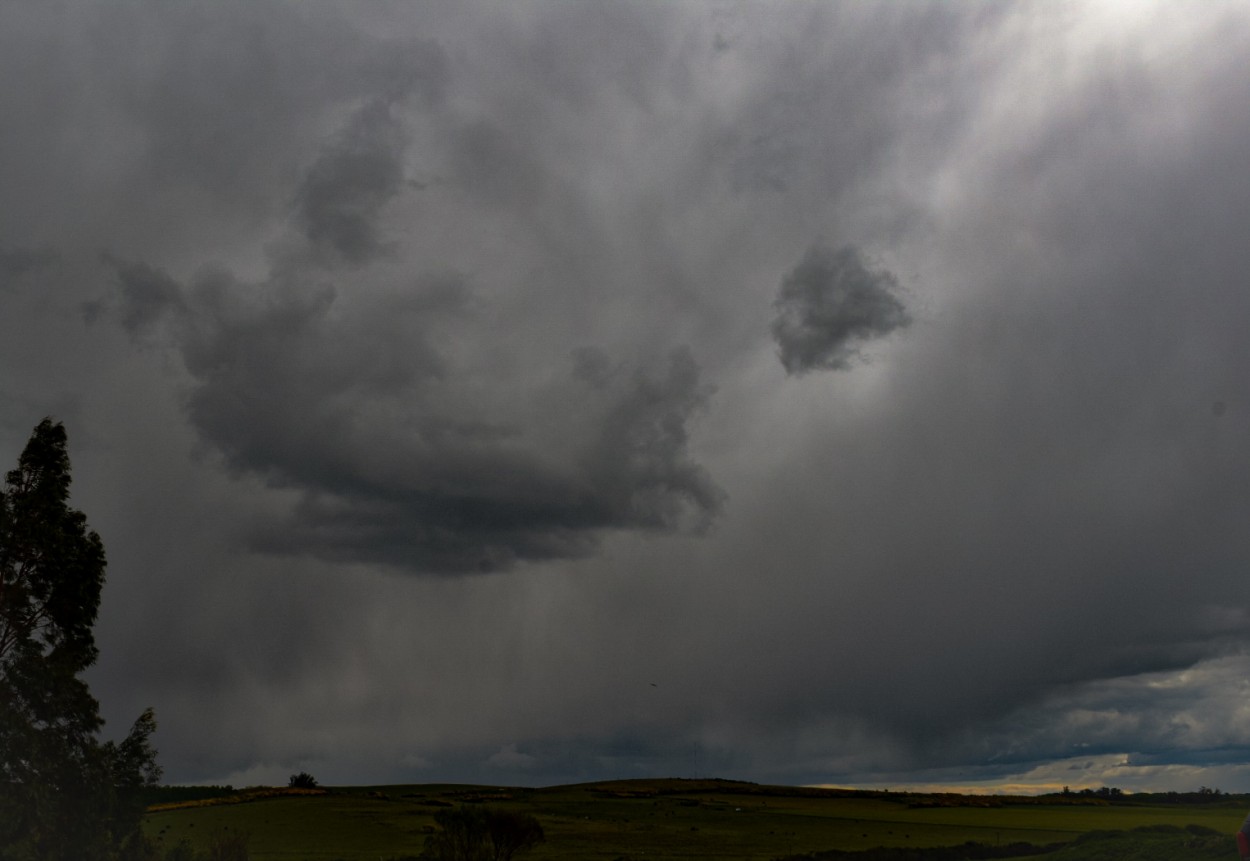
(400, 453)
(332, 294)
(829, 305)
(355, 410)
(341, 195)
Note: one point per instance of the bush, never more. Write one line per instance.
(482, 834)
(303, 780)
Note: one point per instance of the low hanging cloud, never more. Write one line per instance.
(410, 439)
(831, 304)
(403, 457)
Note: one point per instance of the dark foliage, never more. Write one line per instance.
(223, 845)
(470, 833)
(303, 780)
(64, 795)
(171, 794)
(511, 833)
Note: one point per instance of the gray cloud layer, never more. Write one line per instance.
(504, 286)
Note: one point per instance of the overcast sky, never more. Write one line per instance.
(530, 392)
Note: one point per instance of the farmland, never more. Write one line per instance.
(696, 819)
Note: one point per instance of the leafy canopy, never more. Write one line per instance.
(64, 794)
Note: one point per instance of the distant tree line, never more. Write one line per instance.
(175, 794)
(1202, 795)
(1100, 792)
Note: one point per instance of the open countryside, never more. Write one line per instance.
(706, 819)
(746, 405)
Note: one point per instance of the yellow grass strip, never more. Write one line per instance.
(256, 794)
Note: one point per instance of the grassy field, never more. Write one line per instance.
(687, 819)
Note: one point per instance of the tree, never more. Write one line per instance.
(481, 834)
(64, 794)
(303, 780)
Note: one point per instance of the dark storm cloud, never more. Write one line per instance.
(479, 497)
(829, 305)
(147, 296)
(366, 399)
(292, 388)
(342, 194)
(638, 459)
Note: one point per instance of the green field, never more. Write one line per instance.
(693, 819)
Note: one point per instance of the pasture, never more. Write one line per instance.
(682, 819)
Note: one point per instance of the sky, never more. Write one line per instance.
(532, 392)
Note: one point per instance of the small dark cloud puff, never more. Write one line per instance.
(829, 305)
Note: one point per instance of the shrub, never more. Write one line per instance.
(303, 780)
(482, 834)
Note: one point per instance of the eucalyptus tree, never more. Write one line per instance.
(64, 793)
